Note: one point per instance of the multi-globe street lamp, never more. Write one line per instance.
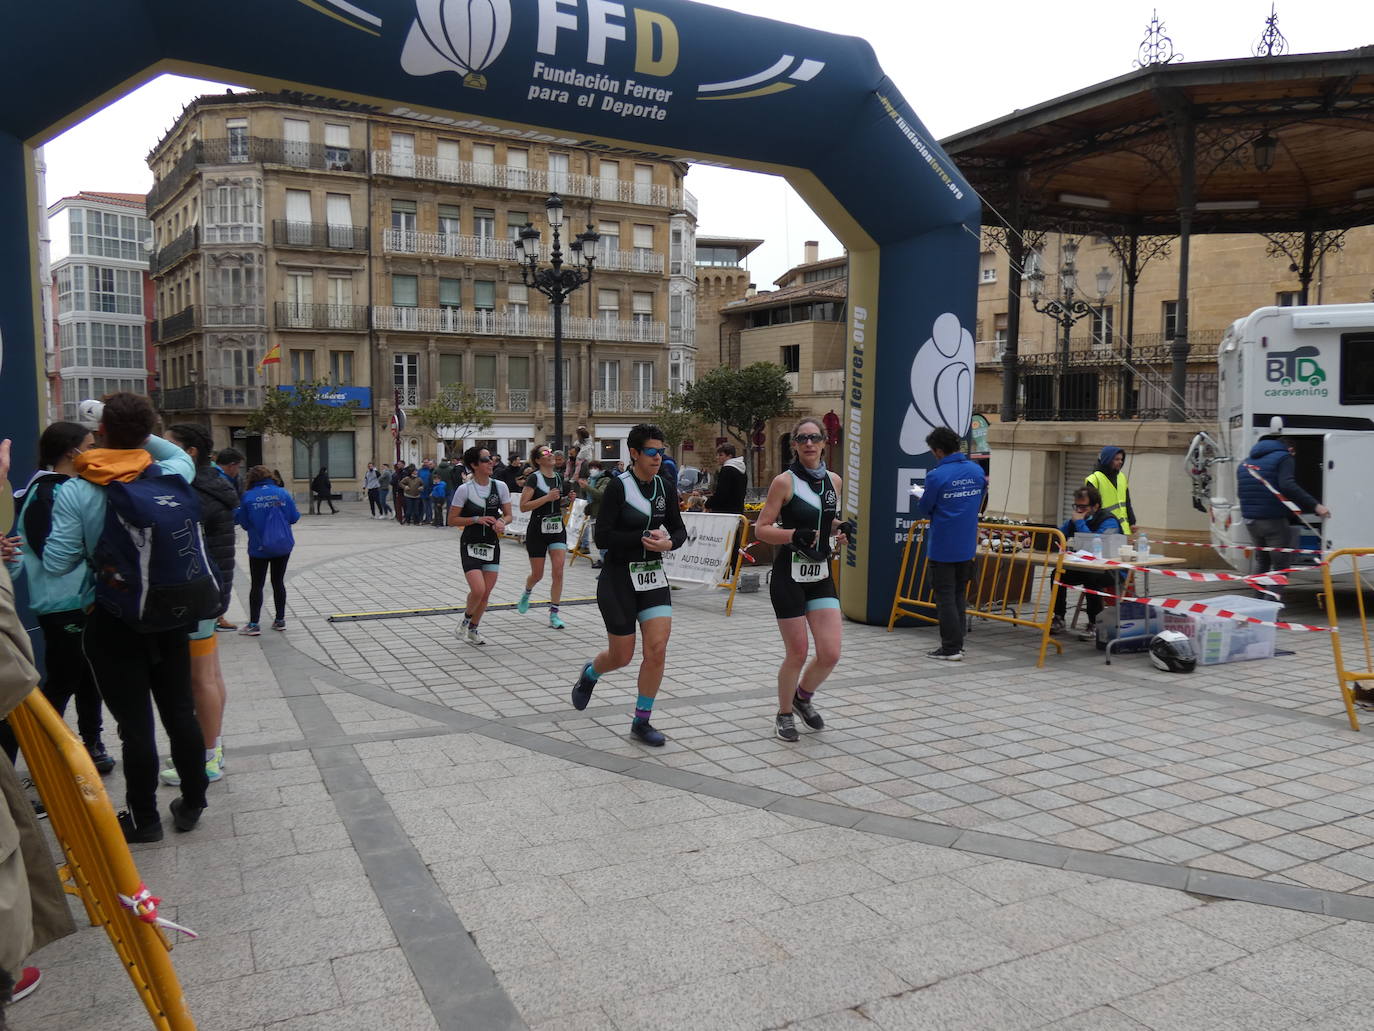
(1068, 308)
(556, 283)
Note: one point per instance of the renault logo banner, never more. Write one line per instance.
(665, 79)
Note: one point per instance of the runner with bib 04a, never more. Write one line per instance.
(547, 536)
(640, 519)
(482, 508)
(799, 516)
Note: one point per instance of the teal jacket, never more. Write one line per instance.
(78, 517)
(47, 593)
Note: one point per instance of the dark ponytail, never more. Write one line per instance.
(57, 440)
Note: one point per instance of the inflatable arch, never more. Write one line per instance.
(664, 77)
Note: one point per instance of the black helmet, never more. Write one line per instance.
(1172, 652)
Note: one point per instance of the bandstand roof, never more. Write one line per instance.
(1107, 158)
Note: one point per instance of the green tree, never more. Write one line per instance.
(676, 422)
(300, 413)
(455, 409)
(739, 399)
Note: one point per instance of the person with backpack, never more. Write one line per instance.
(59, 602)
(438, 493)
(132, 516)
(323, 491)
(267, 513)
(218, 500)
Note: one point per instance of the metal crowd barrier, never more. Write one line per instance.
(1004, 587)
(98, 867)
(1348, 678)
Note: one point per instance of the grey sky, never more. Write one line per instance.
(959, 64)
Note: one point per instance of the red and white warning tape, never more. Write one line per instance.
(1254, 471)
(144, 906)
(1242, 547)
(1271, 579)
(1199, 609)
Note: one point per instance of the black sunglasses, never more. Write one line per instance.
(809, 438)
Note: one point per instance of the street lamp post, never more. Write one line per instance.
(556, 283)
(1068, 308)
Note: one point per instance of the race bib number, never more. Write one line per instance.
(551, 525)
(647, 576)
(808, 571)
(482, 552)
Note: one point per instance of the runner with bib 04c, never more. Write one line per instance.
(482, 508)
(799, 516)
(640, 519)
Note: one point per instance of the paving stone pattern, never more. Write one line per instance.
(416, 833)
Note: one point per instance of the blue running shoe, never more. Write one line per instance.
(642, 730)
(582, 690)
(523, 605)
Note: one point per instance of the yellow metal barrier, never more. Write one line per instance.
(1005, 586)
(1346, 678)
(741, 540)
(98, 867)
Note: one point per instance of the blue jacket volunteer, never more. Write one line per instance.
(952, 500)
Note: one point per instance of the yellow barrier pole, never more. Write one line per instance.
(99, 865)
(1343, 676)
(902, 573)
(742, 539)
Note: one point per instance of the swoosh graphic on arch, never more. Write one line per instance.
(341, 8)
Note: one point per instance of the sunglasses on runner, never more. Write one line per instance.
(486, 458)
(653, 452)
(809, 438)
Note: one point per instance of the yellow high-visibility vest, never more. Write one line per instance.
(1113, 496)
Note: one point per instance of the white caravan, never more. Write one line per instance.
(1308, 372)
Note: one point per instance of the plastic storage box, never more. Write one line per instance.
(1111, 543)
(1219, 640)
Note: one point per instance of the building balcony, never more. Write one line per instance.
(446, 245)
(626, 400)
(347, 318)
(174, 326)
(206, 397)
(319, 234)
(517, 400)
(533, 180)
(254, 150)
(513, 324)
(235, 315)
(164, 258)
(639, 260)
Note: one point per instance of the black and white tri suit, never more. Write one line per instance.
(634, 586)
(546, 530)
(480, 544)
(801, 580)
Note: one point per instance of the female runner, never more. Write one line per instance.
(546, 535)
(800, 516)
(640, 519)
(481, 506)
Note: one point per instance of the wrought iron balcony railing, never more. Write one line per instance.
(626, 400)
(319, 234)
(165, 257)
(174, 326)
(255, 150)
(350, 318)
(484, 322)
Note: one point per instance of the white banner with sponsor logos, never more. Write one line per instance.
(518, 525)
(577, 519)
(706, 557)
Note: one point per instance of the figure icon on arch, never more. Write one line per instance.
(941, 384)
(461, 36)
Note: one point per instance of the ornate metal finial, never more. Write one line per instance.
(1271, 42)
(1156, 47)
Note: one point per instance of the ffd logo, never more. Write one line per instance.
(463, 36)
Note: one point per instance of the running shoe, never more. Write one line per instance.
(223, 624)
(250, 630)
(808, 713)
(556, 622)
(473, 637)
(29, 979)
(785, 727)
(102, 759)
(944, 656)
(582, 690)
(644, 731)
(136, 835)
(1056, 626)
(278, 624)
(1089, 633)
(523, 605)
(184, 817)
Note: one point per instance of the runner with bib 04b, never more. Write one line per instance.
(547, 535)
(640, 519)
(482, 508)
(799, 516)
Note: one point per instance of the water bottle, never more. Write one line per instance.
(1142, 546)
(1097, 545)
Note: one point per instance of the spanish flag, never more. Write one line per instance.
(272, 357)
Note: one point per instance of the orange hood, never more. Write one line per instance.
(104, 465)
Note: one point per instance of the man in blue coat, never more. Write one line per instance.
(1266, 517)
(953, 496)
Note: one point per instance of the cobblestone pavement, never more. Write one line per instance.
(417, 833)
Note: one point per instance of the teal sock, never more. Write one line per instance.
(590, 673)
(553, 610)
(644, 707)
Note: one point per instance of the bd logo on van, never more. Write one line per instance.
(1296, 366)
